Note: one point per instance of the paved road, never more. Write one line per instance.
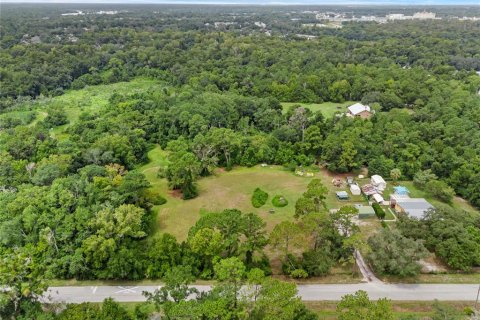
(314, 292)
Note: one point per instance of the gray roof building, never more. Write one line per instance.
(414, 207)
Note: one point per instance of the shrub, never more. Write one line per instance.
(259, 198)
(317, 262)
(379, 212)
(154, 197)
(299, 274)
(279, 201)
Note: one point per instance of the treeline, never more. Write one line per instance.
(394, 59)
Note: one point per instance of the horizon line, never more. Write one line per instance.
(246, 3)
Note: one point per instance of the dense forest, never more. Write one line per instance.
(74, 205)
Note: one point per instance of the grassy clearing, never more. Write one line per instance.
(328, 109)
(233, 189)
(226, 190)
(89, 99)
(23, 115)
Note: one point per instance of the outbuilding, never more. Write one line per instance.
(355, 190)
(342, 195)
(377, 197)
(365, 212)
(378, 182)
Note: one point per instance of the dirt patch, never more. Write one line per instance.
(176, 193)
(431, 264)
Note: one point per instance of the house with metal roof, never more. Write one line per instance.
(359, 110)
(413, 207)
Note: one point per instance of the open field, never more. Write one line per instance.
(88, 99)
(233, 189)
(328, 109)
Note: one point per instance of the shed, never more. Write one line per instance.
(378, 198)
(378, 182)
(365, 212)
(355, 190)
(342, 195)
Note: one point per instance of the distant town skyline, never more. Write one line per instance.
(267, 2)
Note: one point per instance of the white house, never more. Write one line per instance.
(378, 182)
(359, 110)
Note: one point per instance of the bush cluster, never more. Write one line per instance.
(259, 198)
(279, 201)
(380, 213)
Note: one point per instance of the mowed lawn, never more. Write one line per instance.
(227, 190)
(232, 189)
(328, 109)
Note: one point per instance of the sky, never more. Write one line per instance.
(273, 2)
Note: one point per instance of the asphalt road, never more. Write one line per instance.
(313, 292)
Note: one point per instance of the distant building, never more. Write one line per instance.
(413, 207)
(424, 15)
(359, 110)
(378, 182)
(396, 16)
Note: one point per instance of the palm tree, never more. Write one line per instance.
(395, 174)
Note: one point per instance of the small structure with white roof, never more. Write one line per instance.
(378, 198)
(378, 182)
(355, 189)
(342, 195)
(359, 110)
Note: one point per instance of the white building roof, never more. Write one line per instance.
(376, 179)
(358, 108)
(354, 187)
(378, 198)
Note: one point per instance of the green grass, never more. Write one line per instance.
(437, 278)
(328, 109)
(22, 115)
(89, 99)
(226, 190)
(233, 189)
